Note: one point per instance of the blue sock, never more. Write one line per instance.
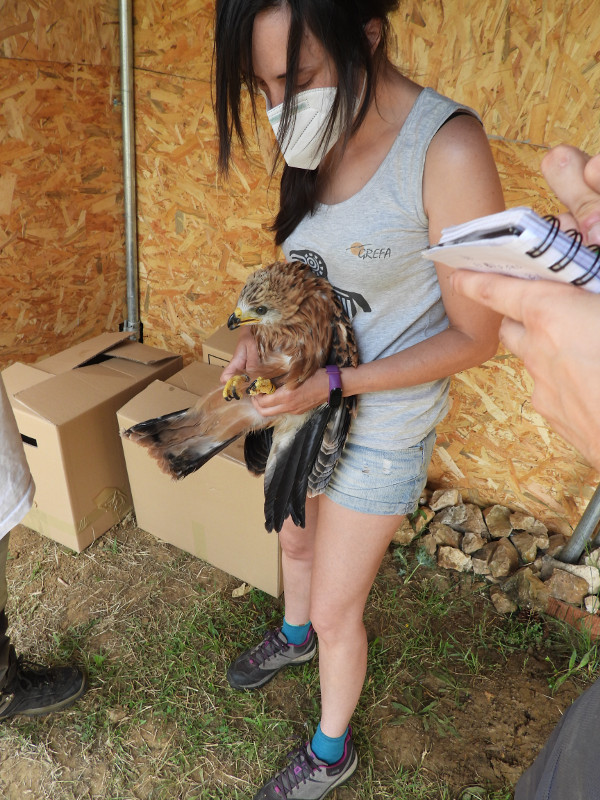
(326, 748)
(295, 634)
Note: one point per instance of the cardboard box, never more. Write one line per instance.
(219, 347)
(65, 408)
(216, 513)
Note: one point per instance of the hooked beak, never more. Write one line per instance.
(238, 318)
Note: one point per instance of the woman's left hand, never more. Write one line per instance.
(313, 392)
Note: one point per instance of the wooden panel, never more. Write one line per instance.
(84, 32)
(61, 232)
(531, 68)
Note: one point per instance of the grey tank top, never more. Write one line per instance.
(369, 248)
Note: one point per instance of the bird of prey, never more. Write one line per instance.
(299, 326)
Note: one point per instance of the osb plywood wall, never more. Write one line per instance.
(529, 67)
(61, 209)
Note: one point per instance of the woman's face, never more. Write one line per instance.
(269, 57)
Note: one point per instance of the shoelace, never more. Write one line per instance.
(300, 768)
(30, 675)
(269, 646)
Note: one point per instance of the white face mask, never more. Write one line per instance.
(303, 146)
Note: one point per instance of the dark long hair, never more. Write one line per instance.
(339, 25)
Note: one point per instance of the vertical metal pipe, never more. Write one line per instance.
(132, 323)
(583, 532)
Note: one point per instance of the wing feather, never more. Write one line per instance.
(288, 468)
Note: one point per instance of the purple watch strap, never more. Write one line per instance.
(335, 378)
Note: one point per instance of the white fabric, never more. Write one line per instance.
(16, 484)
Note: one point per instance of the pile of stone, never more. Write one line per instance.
(511, 550)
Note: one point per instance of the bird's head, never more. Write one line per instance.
(263, 300)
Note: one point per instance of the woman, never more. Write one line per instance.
(375, 167)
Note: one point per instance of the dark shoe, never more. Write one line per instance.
(306, 777)
(260, 663)
(36, 690)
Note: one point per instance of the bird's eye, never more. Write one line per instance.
(261, 311)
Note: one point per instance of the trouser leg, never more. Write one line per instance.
(7, 655)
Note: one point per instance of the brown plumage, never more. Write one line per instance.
(299, 326)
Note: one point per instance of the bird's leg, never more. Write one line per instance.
(261, 386)
(230, 390)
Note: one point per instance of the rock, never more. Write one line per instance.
(451, 558)
(542, 540)
(521, 521)
(565, 586)
(445, 535)
(481, 558)
(527, 590)
(590, 574)
(593, 558)
(526, 546)
(454, 516)
(423, 518)
(592, 604)
(405, 533)
(425, 495)
(474, 521)
(472, 542)
(429, 543)
(497, 519)
(556, 542)
(502, 602)
(443, 498)
(504, 559)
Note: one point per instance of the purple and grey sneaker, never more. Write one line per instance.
(306, 777)
(256, 666)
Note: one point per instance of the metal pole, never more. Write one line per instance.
(583, 532)
(132, 323)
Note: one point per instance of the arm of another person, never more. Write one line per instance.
(553, 328)
(460, 183)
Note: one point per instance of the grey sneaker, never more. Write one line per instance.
(256, 666)
(306, 777)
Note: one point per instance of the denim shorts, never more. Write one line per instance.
(381, 481)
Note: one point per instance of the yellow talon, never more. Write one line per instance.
(261, 386)
(230, 390)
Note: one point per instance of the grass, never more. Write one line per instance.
(156, 628)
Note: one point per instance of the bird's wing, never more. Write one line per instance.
(184, 441)
(296, 443)
(332, 444)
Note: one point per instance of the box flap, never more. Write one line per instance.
(80, 354)
(156, 399)
(66, 396)
(198, 377)
(21, 376)
(140, 353)
(223, 339)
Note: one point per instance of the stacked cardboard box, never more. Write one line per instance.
(216, 513)
(65, 408)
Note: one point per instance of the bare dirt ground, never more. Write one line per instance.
(478, 718)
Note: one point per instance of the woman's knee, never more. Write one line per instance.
(332, 623)
(296, 543)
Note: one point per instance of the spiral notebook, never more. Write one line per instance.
(519, 242)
